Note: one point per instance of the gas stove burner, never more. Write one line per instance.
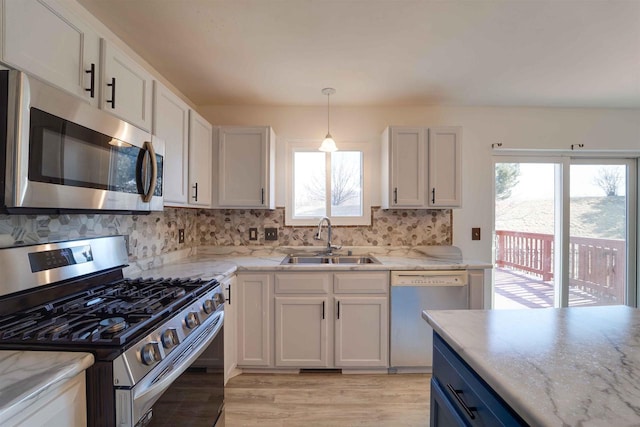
(113, 324)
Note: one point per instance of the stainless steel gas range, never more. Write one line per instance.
(144, 333)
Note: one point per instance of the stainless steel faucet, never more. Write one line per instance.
(318, 235)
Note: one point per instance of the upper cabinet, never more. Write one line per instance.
(126, 87)
(171, 123)
(421, 167)
(200, 159)
(44, 39)
(246, 167)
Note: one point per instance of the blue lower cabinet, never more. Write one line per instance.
(459, 397)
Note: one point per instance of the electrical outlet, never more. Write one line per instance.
(253, 234)
(475, 233)
(181, 235)
(270, 234)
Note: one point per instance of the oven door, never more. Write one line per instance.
(134, 405)
(65, 154)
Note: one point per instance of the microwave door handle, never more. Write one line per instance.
(148, 147)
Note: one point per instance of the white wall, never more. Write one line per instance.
(527, 128)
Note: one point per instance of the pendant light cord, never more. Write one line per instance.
(328, 113)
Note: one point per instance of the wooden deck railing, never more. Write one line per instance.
(596, 266)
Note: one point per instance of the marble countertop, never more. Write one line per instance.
(25, 375)
(567, 366)
(220, 261)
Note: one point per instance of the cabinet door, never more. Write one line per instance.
(244, 167)
(301, 331)
(254, 317)
(171, 123)
(445, 167)
(230, 333)
(408, 161)
(361, 332)
(200, 159)
(476, 290)
(126, 87)
(47, 41)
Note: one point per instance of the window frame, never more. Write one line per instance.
(312, 146)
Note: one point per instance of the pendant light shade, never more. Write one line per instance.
(328, 144)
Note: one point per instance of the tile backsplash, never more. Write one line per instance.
(157, 233)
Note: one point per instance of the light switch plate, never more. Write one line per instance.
(253, 233)
(475, 233)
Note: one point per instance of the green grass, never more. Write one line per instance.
(598, 217)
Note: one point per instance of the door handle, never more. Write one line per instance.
(262, 197)
(195, 195)
(148, 195)
(467, 409)
(338, 310)
(322, 310)
(112, 101)
(433, 195)
(92, 82)
(395, 195)
(229, 292)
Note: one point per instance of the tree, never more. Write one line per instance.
(345, 183)
(507, 175)
(608, 179)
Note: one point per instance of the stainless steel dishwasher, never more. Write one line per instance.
(411, 292)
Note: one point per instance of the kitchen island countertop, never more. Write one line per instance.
(26, 375)
(567, 366)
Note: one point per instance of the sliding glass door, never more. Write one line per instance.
(562, 231)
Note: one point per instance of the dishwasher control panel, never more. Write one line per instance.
(429, 278)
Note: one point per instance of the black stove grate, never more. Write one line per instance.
(109, 314)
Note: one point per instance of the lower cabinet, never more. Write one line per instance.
(460, 397)
(313, 320)
(230, 326)
(361, 331)
(254, 319)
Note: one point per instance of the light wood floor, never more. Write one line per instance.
(319, 399)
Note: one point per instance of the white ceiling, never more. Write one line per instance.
(388, 52)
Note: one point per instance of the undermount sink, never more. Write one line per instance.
(325, 259)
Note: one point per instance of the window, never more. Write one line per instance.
(328, 184)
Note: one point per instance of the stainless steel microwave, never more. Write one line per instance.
(61, 154)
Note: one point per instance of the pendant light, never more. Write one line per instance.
(328, 144)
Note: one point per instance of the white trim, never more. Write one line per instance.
(367, 186)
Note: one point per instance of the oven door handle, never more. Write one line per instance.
(148, 391)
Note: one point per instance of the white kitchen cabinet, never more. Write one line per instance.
(476, 290)
(445, 167)
(171, 123)
(230, 328)
(421, 167)
(126, 87)
(43, 38)
(64, 404)
(246, 167)
(254, 304)
(362, 332)
(301, 331)
(344, 325)
(200, 159)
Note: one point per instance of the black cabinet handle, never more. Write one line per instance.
(262, 197)
(229, 292)
(395, 195)
(195, 195)
(322, 310)
(112, 101)
(92, 82)
(338, 311)
(456, 393)
(433, 195)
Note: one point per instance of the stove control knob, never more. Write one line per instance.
(218, 298)
(192, 320)
(150, 353)
(209, 306)
(170, 338)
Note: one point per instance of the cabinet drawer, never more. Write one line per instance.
(463, 387)
(361, 283)
(302, 283)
